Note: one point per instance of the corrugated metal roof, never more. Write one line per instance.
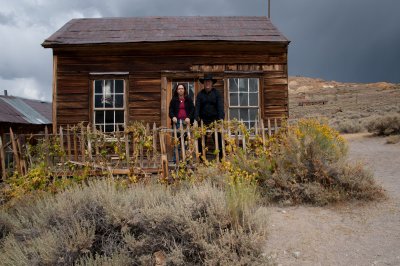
(24, 111)
(163, 29)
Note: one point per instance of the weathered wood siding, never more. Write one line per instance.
(145, 64)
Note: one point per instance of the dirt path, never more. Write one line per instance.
(353, 234)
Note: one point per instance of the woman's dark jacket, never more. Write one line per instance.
(174, 108)
(209, 106)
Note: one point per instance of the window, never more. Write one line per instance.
(109, 104)
(244, 100)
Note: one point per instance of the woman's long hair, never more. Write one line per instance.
(185, 94)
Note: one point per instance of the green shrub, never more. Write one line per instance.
(103, 223)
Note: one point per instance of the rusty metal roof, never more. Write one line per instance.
(24, 111)
(164, 29)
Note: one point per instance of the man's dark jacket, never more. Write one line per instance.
(209, 106)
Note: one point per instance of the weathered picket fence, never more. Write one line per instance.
(140, 149)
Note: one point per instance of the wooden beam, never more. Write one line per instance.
(54, 103)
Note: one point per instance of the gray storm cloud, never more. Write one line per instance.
(342, 40)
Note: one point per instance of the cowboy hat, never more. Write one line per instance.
(207, 77)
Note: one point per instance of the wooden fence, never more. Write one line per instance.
(140, 149)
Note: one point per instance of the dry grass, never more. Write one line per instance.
(384, 125)
(103, 224)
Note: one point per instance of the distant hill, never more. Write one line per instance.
(338, 101)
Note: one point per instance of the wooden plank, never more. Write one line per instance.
(47, 145)
(263, 135)
(203, 141)
(216, 143)
(3, 161)
(89, 141)
(54, 86)
(69, 142)
(223, 140)
(182, 137)
(196, 142)
(82, 142)
(15, 151)
(23, 161)
(269, 127)
(127, 156)
(177, 155)
(164, 111)
(75, 145)
(154, 143)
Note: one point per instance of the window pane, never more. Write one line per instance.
(99, 117)
(119, 100)
(243, 99)
(98, 101)
(109, 128)
(108, 101)
(119, 86)
(243, 83)
(253, 114)
(233, 85)
(234, 101)
(253, 85)
(253, 99)
(244, 114)
(98, 86)
(109, 86)
(109, 116)
(234, 113)
(191, 90)
(119, 116)
(252, 124)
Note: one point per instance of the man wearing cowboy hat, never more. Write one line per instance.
(209, 105)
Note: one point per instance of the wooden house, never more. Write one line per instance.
(111, 71)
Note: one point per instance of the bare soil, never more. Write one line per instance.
(347, 234)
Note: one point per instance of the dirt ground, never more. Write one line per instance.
(349, 234)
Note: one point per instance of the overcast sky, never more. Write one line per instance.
(342, 40)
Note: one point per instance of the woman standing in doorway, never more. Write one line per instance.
(181, 108)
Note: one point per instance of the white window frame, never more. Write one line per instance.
(113, 108)
(248, 106)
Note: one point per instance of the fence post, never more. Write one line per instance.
(164, 159)
(62, 145)
(126, 135)
(3, 160)
(75, 145)
(69, 142)
(196, 142)
(47, 145)
(182, 137)
(276, 125)
(154, 143)
(203, 142)
(269, 127)
(223, 140)
(216, 141)
(89, 140)
(15, 151)
(263, 134)
(23, 161)
(83, 144)
(177, 155)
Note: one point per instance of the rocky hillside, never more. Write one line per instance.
(341, 102)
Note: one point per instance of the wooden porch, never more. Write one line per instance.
(139, 150)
